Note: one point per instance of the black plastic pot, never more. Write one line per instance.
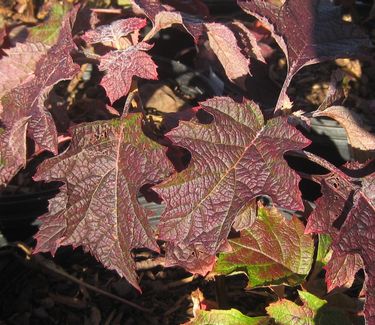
(330, 140)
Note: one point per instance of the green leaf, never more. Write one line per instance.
(311, 301)
(323, 253)
(226, 317)
(314, 311)
(124, 3)
(273, 251)
(48, 31)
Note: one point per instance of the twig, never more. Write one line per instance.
(40, 260)
(51, 266)
(107, 11)
(150, 263)
(180, 282)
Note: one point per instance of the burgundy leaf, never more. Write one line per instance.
(341, 270)
(12, 150)
(308, 32)
(19, 64)
(357, 236)
(224, 44)
(346, 211)
(26, 101)
(249, 41)
(234, 159)
(163, 16)
(114, 32)
(122, 65)
(98, 205)
(337, 195)
(28, 98)
(53, 224)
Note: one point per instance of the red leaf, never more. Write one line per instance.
(346, 211)
(234, 159)
(308, 32)
(98, 206)
(53, 224)
(357, 236)
(114, 32)
(224, 44)
(127, 61)
(19, 64)
(12, 150)
(249, 41)
(341, 270)
(27, 99)
(122, 65)
(163, 16)
(335, 194)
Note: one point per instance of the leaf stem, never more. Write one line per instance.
(319, 161)
(128, 102)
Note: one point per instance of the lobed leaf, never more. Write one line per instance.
(356, 236)
(114, 31)
(98, 207)
(122, 65)
(273, 251)
(234, 159)
(27, 99)
(346, 211)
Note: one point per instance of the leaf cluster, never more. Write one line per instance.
(215, 219)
